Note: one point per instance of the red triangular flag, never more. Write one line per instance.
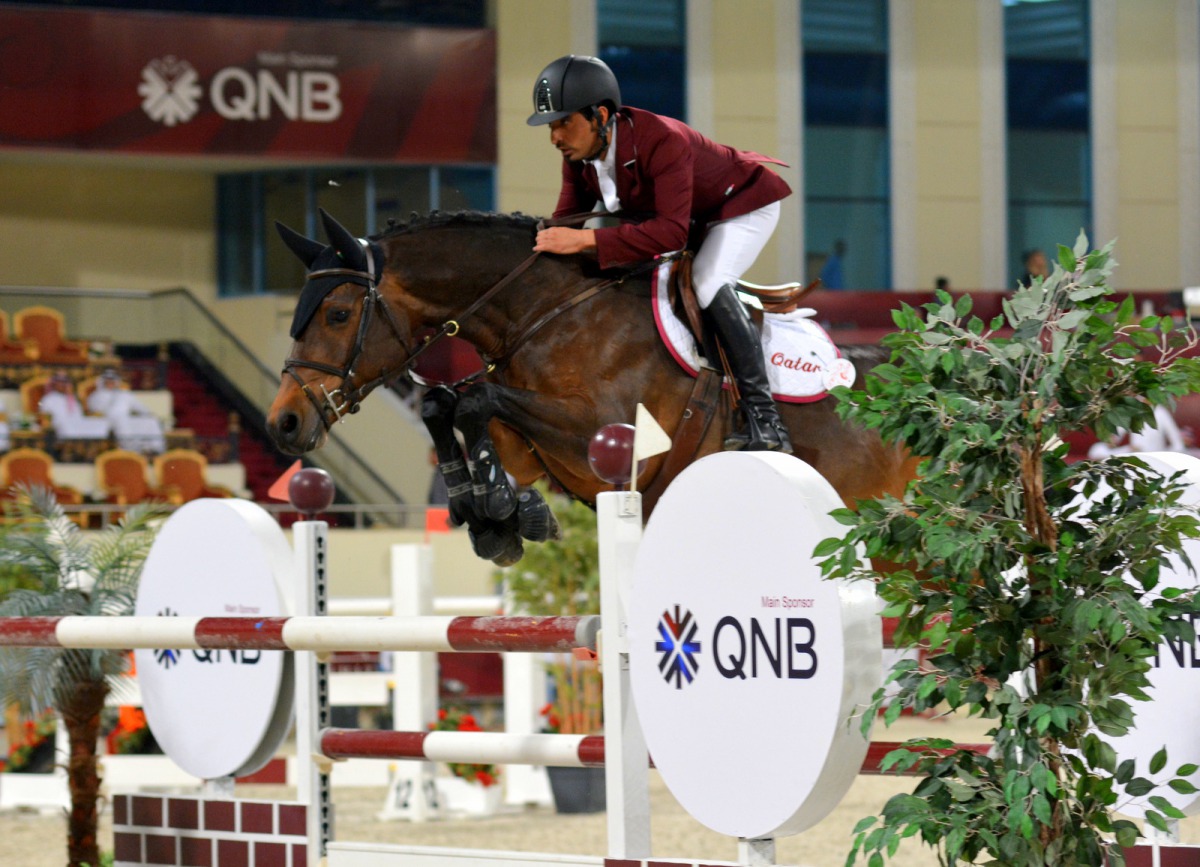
(279, 488)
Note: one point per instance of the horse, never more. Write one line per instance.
(569, 348)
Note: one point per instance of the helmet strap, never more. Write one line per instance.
(604, 129)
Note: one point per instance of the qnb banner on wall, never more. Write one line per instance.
(189, 85)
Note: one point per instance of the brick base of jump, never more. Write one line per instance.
(198, 832)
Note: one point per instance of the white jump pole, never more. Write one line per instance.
(311, 546)
(411, 792)
(626, 778)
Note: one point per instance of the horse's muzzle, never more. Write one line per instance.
(293, 433)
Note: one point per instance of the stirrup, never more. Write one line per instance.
(760, 435)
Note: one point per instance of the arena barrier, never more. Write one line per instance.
(169, 829)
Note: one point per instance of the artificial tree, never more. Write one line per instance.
(1030, 581)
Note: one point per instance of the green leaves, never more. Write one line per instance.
(1031, 585)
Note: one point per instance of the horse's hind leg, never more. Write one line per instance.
(492, 491)
(498, 541)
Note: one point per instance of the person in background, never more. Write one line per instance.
(620, 158)
(1164, 435)
(832, 275)
(67, 416)
(1035, 264)
(135, 426)
(942, 284)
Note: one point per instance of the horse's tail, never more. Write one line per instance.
(865, 357)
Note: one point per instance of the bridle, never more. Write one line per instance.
(345, 400)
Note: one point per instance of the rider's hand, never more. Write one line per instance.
(565, 241)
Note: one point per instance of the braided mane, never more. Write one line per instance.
(438, 219)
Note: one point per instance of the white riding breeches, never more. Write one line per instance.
(730, 248)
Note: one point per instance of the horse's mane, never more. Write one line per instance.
(438, 219)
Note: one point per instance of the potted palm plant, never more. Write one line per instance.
(70, 575)
(562, 578)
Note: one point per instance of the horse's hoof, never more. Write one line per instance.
(534, 518)
(498, 544)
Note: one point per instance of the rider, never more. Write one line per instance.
(624, 158)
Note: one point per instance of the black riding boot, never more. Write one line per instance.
(743, 347)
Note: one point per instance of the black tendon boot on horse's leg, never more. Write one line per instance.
(537, 523)
(494, 496)
(743, 347)
(495, 541)
(437, 412)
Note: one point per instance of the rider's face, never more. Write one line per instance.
(576, 137)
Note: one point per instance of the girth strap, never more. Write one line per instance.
(697, 418)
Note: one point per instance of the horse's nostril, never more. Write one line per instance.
(289, 423)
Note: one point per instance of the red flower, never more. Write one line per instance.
(454, 719)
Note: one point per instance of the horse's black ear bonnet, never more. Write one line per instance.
(345, 252)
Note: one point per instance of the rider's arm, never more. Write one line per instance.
(664, 162)
(564, 241)
(574, 197)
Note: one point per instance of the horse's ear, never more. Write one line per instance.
(341, 239)
(306, 249)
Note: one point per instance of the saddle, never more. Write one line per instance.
(681, 292)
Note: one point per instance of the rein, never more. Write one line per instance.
(344, 400)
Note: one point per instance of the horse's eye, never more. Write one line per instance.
(337, 316)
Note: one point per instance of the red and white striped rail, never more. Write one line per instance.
(441, 634)
(555, 750)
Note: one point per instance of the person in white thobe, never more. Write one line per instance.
(135, 427)
(1163, 436)
(67, 416)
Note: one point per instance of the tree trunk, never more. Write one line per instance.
(80, 711)
(1042, 527)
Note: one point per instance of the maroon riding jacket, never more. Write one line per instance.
(673, 174)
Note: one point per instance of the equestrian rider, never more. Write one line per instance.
(616, 157)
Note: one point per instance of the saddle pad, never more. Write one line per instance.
(802, 361)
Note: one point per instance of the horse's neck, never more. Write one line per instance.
(500, 315)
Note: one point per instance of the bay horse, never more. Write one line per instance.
(569, 348)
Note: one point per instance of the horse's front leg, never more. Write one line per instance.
(498, 541)
(494, 495)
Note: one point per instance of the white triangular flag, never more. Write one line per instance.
(649, 439)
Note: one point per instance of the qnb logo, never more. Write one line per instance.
(677, 647)
(782, 647)
(163, 656)
(170, 91)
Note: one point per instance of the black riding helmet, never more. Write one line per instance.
(570, 84)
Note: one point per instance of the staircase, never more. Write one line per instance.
(200, 407)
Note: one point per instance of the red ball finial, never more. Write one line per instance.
(610, 453)
(311, 490)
